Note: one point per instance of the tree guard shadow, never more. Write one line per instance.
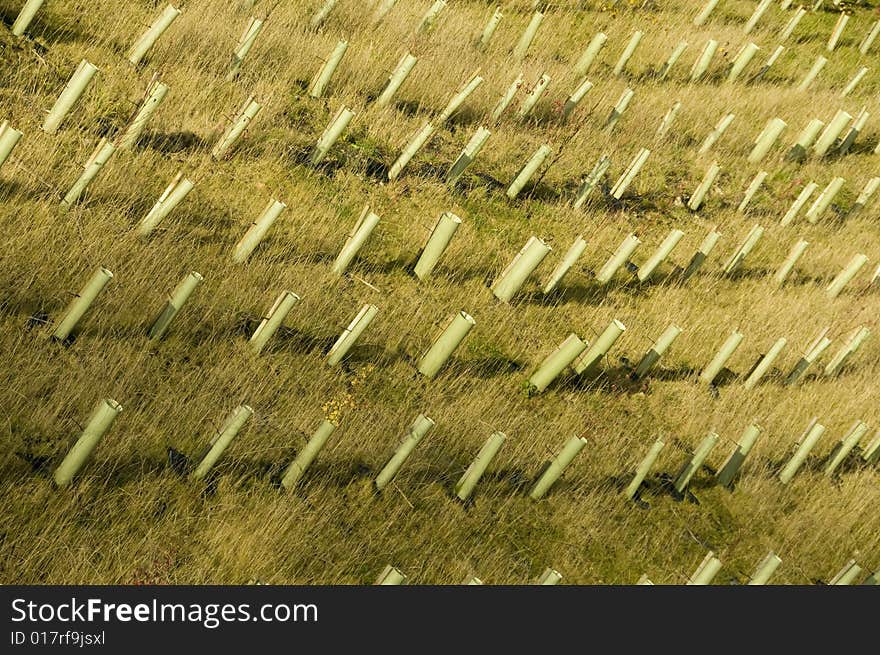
(172, 142)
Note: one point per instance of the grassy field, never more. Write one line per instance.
(131, 517)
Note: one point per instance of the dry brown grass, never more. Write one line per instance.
(130, 518)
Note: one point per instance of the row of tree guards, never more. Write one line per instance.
(836, 138)
(705, 574)
(505, 287)
(582, 66)
(181, 186)
(428, 20)
(852, 450)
